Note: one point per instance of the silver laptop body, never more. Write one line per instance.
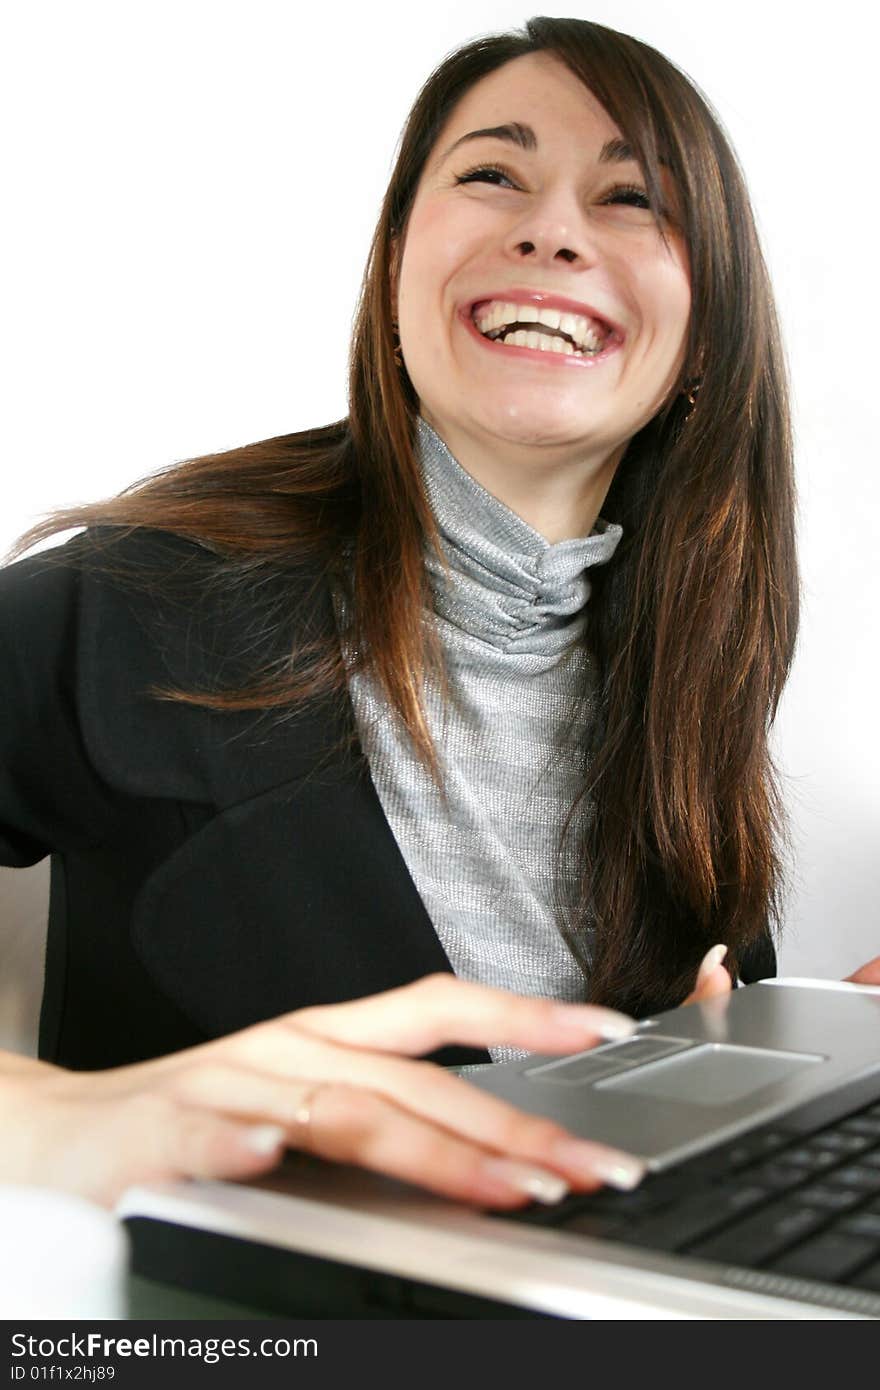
(691, 1086)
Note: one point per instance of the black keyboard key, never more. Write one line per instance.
(688, 1220)
(535, 1214)
(593, 1223)
(607, 1203)
(779, 1176)
(639, 1202)
(750, 1148)
(868, 1278)
(761, 1236)
(813, 1160)
(863, 1124)
(844, 1144)
(827, 1198)
(858, 1177)
(768, 1140)
(861, 1223)
(668, 1187)
(830, 1257)
(649, 1196)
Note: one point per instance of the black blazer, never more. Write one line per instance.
(209, 869)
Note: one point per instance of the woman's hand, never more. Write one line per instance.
(713, 979)
(330, 1080)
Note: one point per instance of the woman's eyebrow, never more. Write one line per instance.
(615, 151)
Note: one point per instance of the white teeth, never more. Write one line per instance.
(587, 334)
(543, 342)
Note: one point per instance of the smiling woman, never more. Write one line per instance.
(542, 424)
(459, 699)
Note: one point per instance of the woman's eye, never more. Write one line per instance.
(628, 192)
(492, 173)
(483, 171)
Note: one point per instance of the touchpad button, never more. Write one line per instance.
(590, 1066)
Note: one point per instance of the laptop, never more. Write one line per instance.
(758, 1115)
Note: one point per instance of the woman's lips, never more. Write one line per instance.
(553, 359)
(544, 299)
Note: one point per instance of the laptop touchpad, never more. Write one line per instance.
(712, 1074)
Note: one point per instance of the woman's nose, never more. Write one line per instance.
(555, 228)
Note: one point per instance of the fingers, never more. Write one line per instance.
(331, 1120)
(446, 1103)
(204, 1145)
(712, 978)
(158, 1140)
(441, 1009)
(443, 1099)
(245, 1093)
(349, 1125)
(97, 1148)
(868, 974)
(350, 1045)
(227, 1110)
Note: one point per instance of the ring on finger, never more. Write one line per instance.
(305, 1109)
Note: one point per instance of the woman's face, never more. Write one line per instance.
(547, 225)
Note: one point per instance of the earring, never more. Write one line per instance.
(690, 392)
(398, 352)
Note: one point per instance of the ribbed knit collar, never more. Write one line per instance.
(507, 585)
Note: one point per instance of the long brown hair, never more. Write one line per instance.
(693, 624)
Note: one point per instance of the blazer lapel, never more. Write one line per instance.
(292, 890)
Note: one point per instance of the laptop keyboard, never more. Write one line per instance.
(801, 1198)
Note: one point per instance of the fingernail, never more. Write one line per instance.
(711, 960)
(615, 1026)
(609, 1025)
(540, 1184)
(624, 1173)
(263, 1139)
(610, 1166)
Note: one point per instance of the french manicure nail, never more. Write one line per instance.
(624, 1173)
(610, 1166)
(616, 1026)
(264, 1139)
(609, 1025)
(539, 1183)
(711, 961)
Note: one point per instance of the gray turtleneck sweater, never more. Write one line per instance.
(511, 615)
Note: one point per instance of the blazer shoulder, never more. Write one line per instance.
(143, 614)
(37, 596)
(51, 796)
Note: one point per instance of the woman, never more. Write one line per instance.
(381, 732)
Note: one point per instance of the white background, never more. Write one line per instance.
(190, 190)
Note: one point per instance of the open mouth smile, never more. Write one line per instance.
(537, 331)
